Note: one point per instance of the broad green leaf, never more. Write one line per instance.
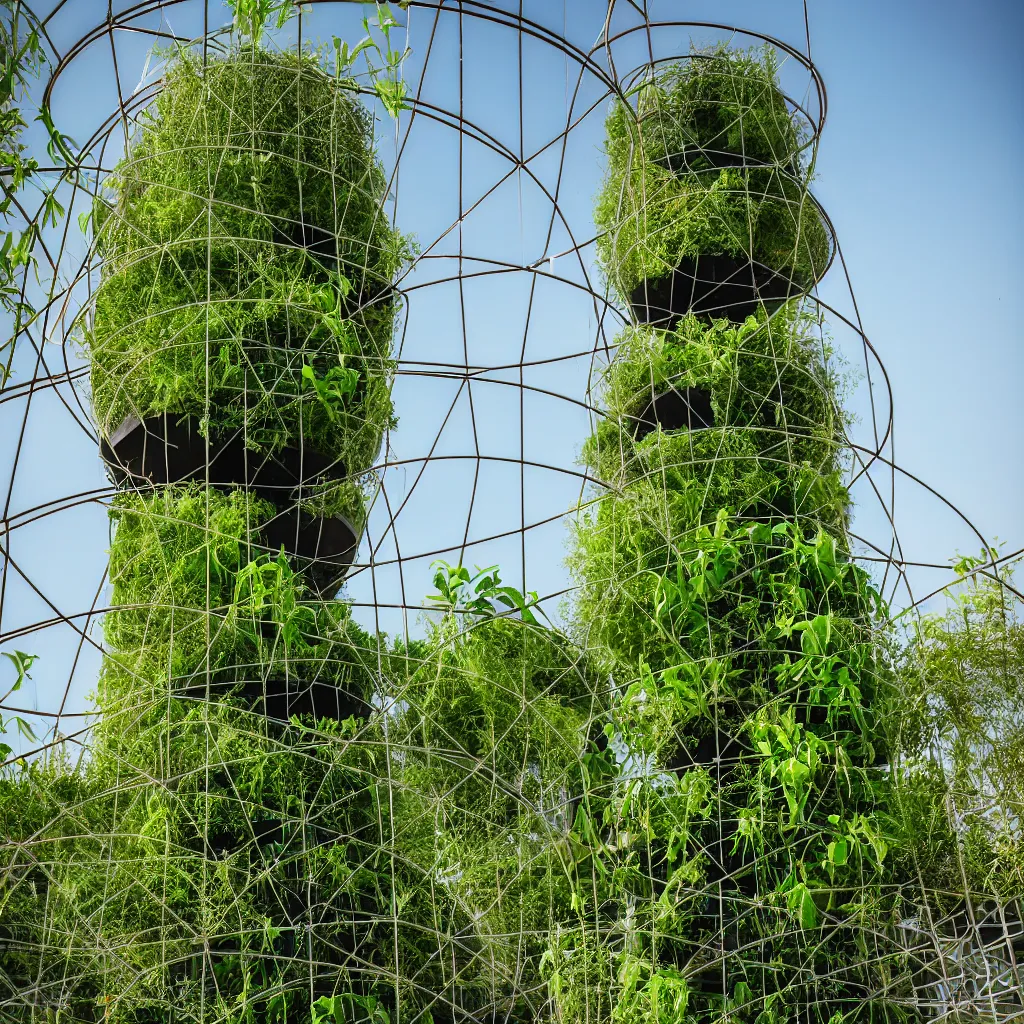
(801, 903)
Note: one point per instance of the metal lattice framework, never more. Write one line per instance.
(355, 861)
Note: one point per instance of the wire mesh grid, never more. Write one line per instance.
(535, 796)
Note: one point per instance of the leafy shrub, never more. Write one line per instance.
(493, 732)
(247, 261)
(43, 820)
(666, 196)
(194, 593)
(752, 813)
(262, 848)
(225, 853)
(773, 453)
(959, 727)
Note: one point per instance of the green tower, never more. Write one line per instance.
(282, 817)
(232, 826)
(747, 823)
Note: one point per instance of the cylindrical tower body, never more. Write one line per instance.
(240, 346)
(749, 816)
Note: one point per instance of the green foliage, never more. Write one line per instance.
(773, 454)
(205, 828)
(480, 595)
(776, 444)
(752, 813)
(770, 374)
(247, 260)
(42, 822)
(198, 878)
(719, 102)
(194, 594)
(220, 849)
(387, 81)
(493, 731)
(22, 57)
(579, 968)
(959, 727)
(743, 814)
(667, 196)
(22, 663)
(725, 796)
(343, 1008)
(174, 562)
(251, 16)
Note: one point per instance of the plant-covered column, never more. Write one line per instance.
(748, 827)
(242, 330)
(237, 865)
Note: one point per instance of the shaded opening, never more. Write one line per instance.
(323, 548)
(169, 449)
(675, 409)
(695, 158)
(716, 287)
(279, 698)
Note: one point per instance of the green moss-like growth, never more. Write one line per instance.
(775, 441)
(196, 592)
(721, 102)
(44, 813)
(706, 165)
(174, 563)
(247, 261)
(495, 727)
(228, 857)
(231, 862)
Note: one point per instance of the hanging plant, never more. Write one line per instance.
(705, 204)
(247, 263)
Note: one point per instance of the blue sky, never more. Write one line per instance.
(916, 167)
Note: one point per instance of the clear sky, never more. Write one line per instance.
(916, 167)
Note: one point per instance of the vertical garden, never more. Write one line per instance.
(240, 359)
(773, 834)
(751, 820)
(282, 817)
(728, 789)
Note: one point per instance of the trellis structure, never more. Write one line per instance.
(705, 792)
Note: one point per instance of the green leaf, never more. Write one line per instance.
(342, 60)
(801, 903)
(385, 19)
(838, 852)
(22, 663)
(392, 94)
